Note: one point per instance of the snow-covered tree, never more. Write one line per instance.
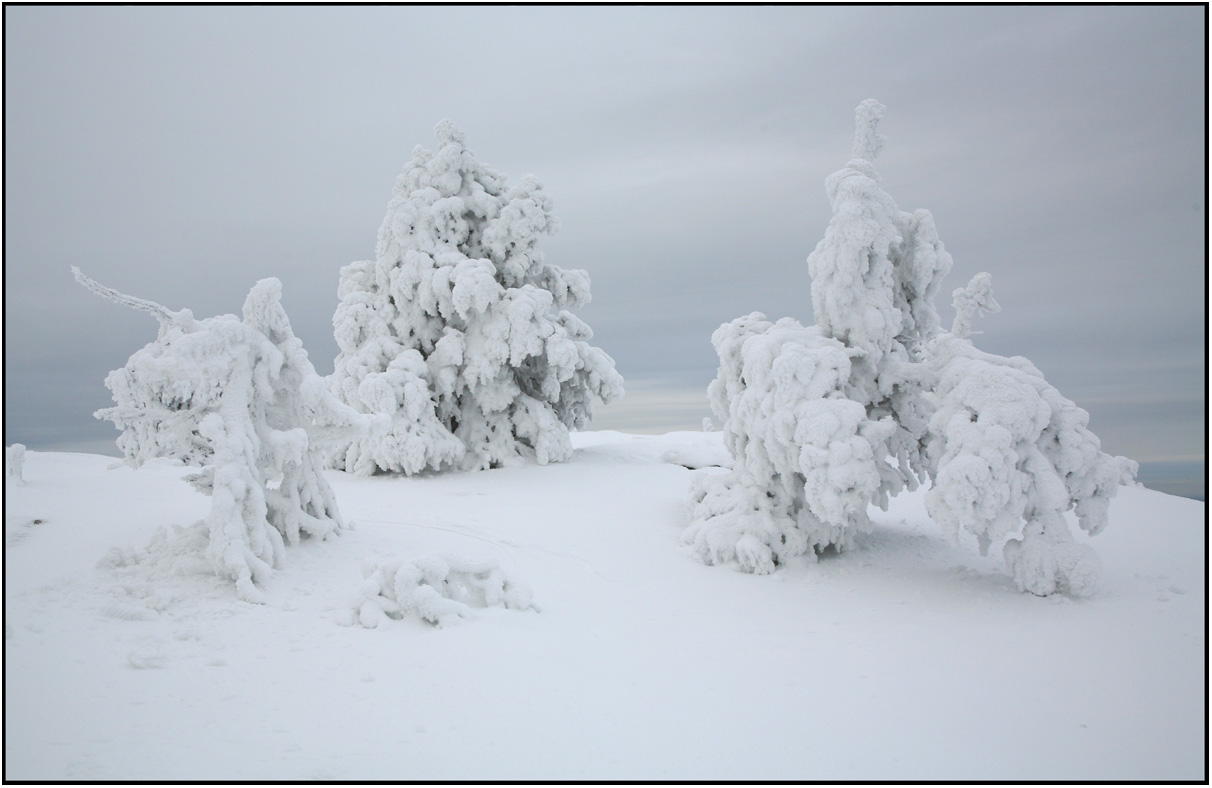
(826, 420)
(810, 414)
(459, 331)
(14, 463)
(239, 398)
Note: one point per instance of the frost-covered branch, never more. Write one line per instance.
(161, 313)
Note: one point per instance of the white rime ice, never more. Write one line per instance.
(825, 420)
(459, 332)
(437, 589)
(239, 398)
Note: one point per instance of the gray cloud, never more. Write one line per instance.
(181, 153)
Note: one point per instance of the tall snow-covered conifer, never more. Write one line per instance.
(810, 414)
(459, 331)
(825, 420)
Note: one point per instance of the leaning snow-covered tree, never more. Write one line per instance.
(239, 398)
(1006, 448)
(459, 331)
(823, 421)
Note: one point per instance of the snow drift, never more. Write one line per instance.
(908, 658)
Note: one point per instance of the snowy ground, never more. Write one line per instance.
(908, 658)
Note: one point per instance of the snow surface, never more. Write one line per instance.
(906, 658)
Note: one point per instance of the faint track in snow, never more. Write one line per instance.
(476, 533)
(15, 533)
(462, 530)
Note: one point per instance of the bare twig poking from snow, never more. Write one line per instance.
(825, 420)
(239, 398)
(437, 589)
(14, 463)
(459, 331)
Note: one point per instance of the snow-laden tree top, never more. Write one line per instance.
(459, 329)
(826, 420)
(876, 271)
(867, 141)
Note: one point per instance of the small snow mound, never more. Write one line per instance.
(1047, 560)
(170, 569)
(437, 589)
(146, 658)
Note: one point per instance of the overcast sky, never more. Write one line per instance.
(181, 153)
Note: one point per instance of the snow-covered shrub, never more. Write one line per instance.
(239, 398)
(826, 420)
(437, 589)
(14, 464)
(459, 331)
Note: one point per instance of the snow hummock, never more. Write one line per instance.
(437, 589)
(909, 657)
